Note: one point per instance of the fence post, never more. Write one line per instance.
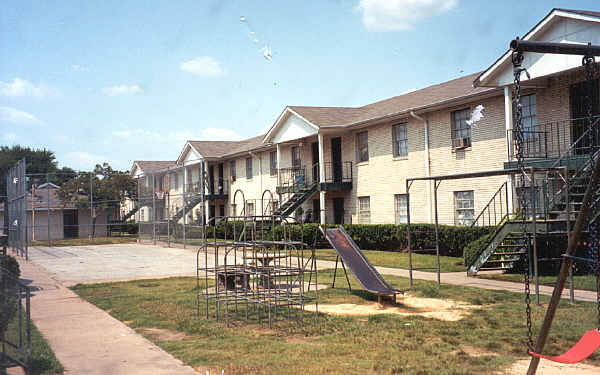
(154, 209)
(91, 229)
(47, 208)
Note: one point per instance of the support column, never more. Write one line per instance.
(508, 120)
(184, 203)
(321, 179)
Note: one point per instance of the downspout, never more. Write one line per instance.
(427, 162)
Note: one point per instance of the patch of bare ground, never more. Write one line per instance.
(473, 351)
(162, 334)
(552, 368)
(297, 339)
(441, 309)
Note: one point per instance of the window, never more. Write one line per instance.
(464, 207)
(461, 131)
(529, 115)
(401, 208)
(400, 139)
(232, 170)
(364, 210)
(296, 161)
(362, 147)
(249, 168)
(174, 177)
(273, 164)
(249, 209)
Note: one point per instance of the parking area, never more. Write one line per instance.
(77, 264)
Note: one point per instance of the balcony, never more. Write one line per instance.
(547, 142)
(337, 177)
(217, 189)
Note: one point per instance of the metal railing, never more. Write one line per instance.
(496, 210)
(558, 138)
(338, 173)
(303, 176)
(218, 186)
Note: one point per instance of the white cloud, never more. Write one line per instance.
(390, 15)
(150, 138)
(16, 116)
(122, 90)
(21, 87)
(83, 160)
(80, 68)
(217, 134)
(204, 66)
(9, 137)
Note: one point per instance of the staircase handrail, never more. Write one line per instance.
(487, 207)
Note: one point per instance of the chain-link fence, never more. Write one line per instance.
(16, 189)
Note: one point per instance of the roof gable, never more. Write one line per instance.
(559, 26)
(289, 126)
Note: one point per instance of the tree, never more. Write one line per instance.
(100, 190)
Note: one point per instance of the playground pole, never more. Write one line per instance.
(564, 268)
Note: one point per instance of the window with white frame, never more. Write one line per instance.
(464, 207)
(529, 115)
(461, 130)
(364, 210)
(296, 160)
(400, 139)
(232, 171)
(249, 168)
(401, 208)
(362, 147)
(273, 163)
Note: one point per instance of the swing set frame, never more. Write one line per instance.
(588, 52)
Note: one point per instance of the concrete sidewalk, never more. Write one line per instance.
(86, 339)
(461, 278)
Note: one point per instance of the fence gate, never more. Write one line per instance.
(16, 188)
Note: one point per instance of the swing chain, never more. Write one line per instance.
(591, 69)
(517, 60)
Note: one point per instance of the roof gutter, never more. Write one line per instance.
(427, 161)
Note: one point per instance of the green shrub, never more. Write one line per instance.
(474, 249)
(10, 264)
(384, 237)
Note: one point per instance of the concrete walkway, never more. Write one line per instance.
(86, 339)
(461, 278)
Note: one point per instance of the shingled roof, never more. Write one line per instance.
(415, 100)
(149, 166)
(213, 149)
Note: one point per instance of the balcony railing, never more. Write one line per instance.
(219, 186)
(338, 173)
(303, 176)
(555, 139)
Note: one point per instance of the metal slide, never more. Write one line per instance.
(359, 265)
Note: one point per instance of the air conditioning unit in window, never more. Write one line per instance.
(461, 143)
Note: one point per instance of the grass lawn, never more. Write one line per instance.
(587, 282)
(87, 241)
(377, 344)
(42, 360)
(400, 260)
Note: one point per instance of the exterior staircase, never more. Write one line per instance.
(296, 200)
(130, 214)
(506, 246)
(191, 202)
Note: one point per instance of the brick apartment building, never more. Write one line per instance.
(354, 161)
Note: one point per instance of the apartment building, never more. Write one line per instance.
(350, 164)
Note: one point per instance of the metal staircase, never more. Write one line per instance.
(505, 246)
(130, 214)
(296, 200)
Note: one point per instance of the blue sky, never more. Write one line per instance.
(119, 81)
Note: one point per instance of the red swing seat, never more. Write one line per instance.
(583, 349)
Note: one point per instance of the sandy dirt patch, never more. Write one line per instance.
(552, 368)
(441, 309)
(162, 334)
